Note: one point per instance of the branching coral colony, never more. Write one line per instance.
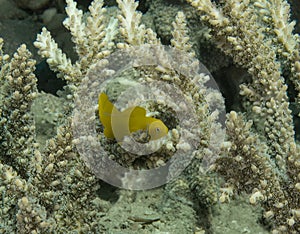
(258, 35)
(46, 191)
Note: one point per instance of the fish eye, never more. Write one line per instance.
(157, 129)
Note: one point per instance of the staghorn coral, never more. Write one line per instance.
(52, 190)
(47, 188)
(164, 12)
(28, 177)
(17, 128)
(258, 35)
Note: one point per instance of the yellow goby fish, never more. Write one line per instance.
(118, 124)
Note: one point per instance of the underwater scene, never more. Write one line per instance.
(151, 116)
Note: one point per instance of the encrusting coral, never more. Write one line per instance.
(54, 191)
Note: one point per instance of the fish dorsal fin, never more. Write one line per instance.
(137, 119)
(138, 112)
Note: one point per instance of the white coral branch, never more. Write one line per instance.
(216, 16)
(180, 35)
(131, 29)
(56, 59)
(280, 12)
(111, 32)
(95, 29)
(74, 23)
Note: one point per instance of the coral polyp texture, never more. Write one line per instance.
(48, 187)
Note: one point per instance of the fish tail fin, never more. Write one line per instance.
(108, 133)
(105, 108)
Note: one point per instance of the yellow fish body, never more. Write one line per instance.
(118, 124)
